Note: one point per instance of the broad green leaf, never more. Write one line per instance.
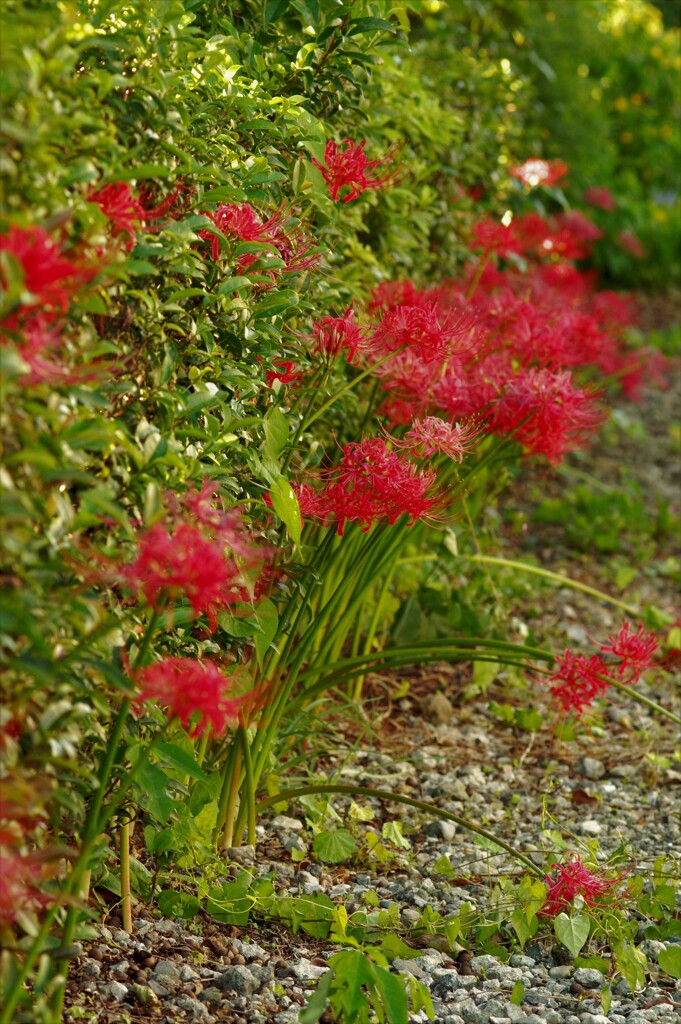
(152, 783)
(268, 620)
(632, 963)
(176, 757)
(275, 425)
(670, 961)
(390, 989)
(316, 1005)
(392, 832)
(517, 993)
(572, 931)
(316, 912)
(285, 504)
(178, 904)
(276, 303)
(334, 847)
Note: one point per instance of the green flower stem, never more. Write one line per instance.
(380, 794)
(126, 902)
(249, 786)
(231, 776)
(642, 699)
(556, 577)
(478, 276)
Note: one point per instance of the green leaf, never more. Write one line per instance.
(311, 1013)
(632, 963)
(317, 913)
(276, 303)
(285, 504)
(669, 961)
(392, 833)
(517, 993)
(268, 621)
(231, 903)
(178, 904)
(334, 847)
(444, 865)
(234, 284)
(276, 433)
(176, 757)
(152, 783)
(572, 931)
(391, 990)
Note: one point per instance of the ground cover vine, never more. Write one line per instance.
(276, 318)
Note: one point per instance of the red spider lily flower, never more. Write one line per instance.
(492, 237)
(389, 294)
(48, 276)
(332, 333)
(536, 172)
(224, 526)
(600, 197)
(184, 562)
(171, 207)
(635, 651)
(346, 166)
(117, 202)
(371, 484)
(284, 371)
(546, 413)
(242, 221)
(424, 328)
(192, 691)
(631, 243)
(578, 682)
(575, 879)
(433, 436)
(21, 878)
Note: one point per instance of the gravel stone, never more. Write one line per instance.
(192, 1006)
(167, 971)
(237, 979)
(590, 768)
(589, 977)
(117, 991)
(441, 829)
(590, 827)
(282, 823)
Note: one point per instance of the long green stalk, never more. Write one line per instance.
(555, 577)
(381, 794)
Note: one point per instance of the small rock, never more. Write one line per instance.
(237, 979)
(595, 1018)
(441, 829)
(436, 708)
(590, 827)
(117, 991)
(563, 971)
(484, 963)
(624, 771)
(295, 843)
(590, 768)
(166, 971)
(410, 967)
(121, 937)
(92, 969)
(252, 951)
(285, 824)
(589, 977)
(305, 970)
(210, 995)
(191, 1006)
(410, 916)
(242, 854)
(519, 960)
(166, 927)
(443, 983)
(187, 973)
(652, 948)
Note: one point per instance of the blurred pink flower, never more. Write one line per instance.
(601, 197)
(190, 688)
(536, 172)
